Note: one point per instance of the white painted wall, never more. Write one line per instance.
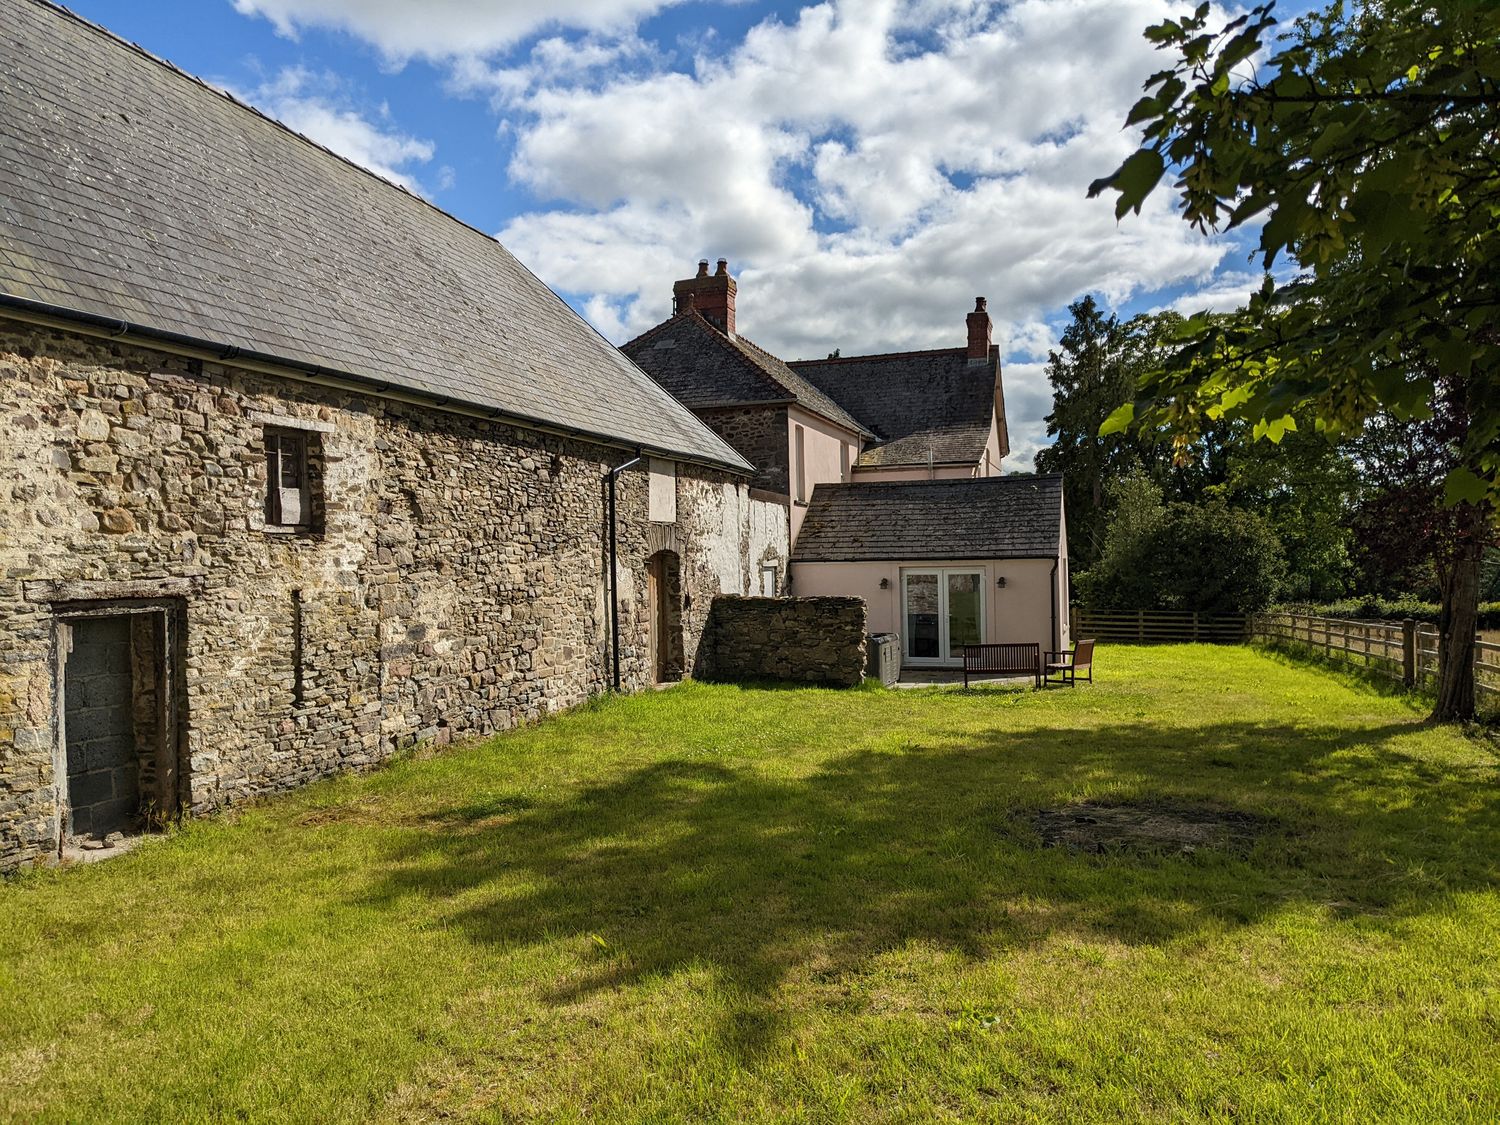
(751, 532)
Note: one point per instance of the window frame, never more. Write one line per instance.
(281, 443)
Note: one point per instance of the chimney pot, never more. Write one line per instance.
(723, 270)
(702, 267)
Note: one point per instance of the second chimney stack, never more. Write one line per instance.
(711, 296)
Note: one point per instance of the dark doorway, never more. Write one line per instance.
(120, 757)
(664, 601)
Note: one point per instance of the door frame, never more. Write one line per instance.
(942, 660)
(170, 625)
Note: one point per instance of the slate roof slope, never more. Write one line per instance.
(131, 190)
(703, 368)
(980, 518)
(916, 402)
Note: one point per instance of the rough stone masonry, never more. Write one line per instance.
(451, 580)
(809, 640)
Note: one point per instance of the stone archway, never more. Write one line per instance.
(664, 606)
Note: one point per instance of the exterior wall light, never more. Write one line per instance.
(1000, 582)
(885, 583)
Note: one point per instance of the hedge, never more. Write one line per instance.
(1390, 609)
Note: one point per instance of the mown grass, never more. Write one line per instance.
(722, 904)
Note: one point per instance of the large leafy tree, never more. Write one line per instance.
(1099, 361)
(1366, 144)
(1091, 377)
(1306, 488)
(1206, 556)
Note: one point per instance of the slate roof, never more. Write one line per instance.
(703, 368)
(980, 518)
(916, 402)
(131, 190)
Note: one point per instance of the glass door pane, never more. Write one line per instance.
(965, 596)
(922, 616)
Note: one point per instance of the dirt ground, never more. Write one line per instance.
(1147, 827)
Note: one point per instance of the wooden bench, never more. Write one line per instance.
(1018, 659)
(1066, 665)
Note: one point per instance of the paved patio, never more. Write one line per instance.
(929, 677)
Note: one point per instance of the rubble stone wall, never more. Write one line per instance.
(456, 584)
(807, 640)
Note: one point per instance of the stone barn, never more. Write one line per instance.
(296, 470)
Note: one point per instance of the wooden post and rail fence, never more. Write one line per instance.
(1401, 651)
(1405, 652)
(1158, 626)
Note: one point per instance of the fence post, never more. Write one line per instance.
(1408, 652)
(1195, 626)
(1140, 625)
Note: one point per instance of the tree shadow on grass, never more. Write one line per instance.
(686, 864)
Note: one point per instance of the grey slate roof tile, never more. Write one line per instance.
(916, 402)
(134, 191)
(704, 368)
(978, 518)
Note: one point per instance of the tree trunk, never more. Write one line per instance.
(1459, 619)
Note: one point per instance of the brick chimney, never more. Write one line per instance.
(712, 296)
(979, 331)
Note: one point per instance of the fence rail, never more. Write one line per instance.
(1403, 651)
(1152, 626)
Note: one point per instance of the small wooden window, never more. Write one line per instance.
(288, 495)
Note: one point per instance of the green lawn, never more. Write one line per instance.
(716, 904)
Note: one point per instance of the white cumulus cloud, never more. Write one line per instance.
(402, 29)
(868, 170)
(868, 167)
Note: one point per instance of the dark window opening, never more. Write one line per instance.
(292, 458)
(298, 686)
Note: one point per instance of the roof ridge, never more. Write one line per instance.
(1001, 478)
(170, 66)
(746, 342)
(728, 344)
(994, 354)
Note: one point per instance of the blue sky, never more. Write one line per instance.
(867, 166)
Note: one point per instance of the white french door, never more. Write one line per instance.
(942, 609)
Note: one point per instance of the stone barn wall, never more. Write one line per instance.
(455, 585)
(759, 435)
(808, 640)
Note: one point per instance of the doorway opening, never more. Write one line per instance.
(117, 760)
(943, 610)
(664, 604)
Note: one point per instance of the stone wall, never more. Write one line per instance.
(456, 586)
(759, 435)
(807, 640)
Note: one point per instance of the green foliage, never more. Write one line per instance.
(1094, 370)
(1365, 146)
(1305, 488)
(1390, 609)
(1210, 557)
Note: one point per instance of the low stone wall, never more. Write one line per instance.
(807, 640)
